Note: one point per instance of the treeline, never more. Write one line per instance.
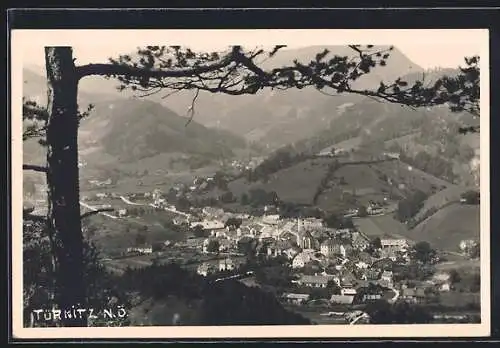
(217, 303)
(259, 198)
(381, 312)
(281, 159)
(323, 185)
(434, 165)
(410, 206)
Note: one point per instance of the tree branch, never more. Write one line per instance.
(34, 168)
(94, 212)
(116, 69)
(191, 108)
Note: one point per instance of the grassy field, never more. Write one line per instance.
(437, 200)
(382, 226)
(295, 184)
(458, 299)
(412, 178)
(113, 236)
(446, 228)
(459, 263)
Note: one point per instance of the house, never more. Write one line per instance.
(359, 242)
(412, 295)
(267, 232)
(226, 265)
(209, 225)
(122, 212)
(311, 223)
(271, 219)
(342, 299)
(396, 244)
(441, 277)
(224, 245)
(331, 248)
(255, 229)
(140, 250)
(466, 245)
(219, 233)
(371, 210)
(291, 252)
(287, 235)
(348, 291)
(300, 260)
(272, 251)
(196, 243)
(205, 269)
(392, 155)
(156, 194)
(244, 231)
(348, 280)
(211, 211)
(372, 274)
(206, 242)
(315, 281)
(365, 257)
(362, 265)
(343, 232)
(386, 279)
(445, 287)
(389, 253)
(282, 245)
(296, 299)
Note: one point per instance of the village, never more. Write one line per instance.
(333, 267)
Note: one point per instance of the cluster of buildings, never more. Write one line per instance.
(469, 247)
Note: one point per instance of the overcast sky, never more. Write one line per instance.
(427, 48)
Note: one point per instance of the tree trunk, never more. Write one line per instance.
(63, 181)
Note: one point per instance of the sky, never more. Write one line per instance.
(426, 48)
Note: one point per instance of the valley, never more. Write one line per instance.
(310, 202)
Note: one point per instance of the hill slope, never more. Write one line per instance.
(449, 226)
(138, 129)
(272, 117)
(132, 129)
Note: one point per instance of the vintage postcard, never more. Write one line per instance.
(250, 183)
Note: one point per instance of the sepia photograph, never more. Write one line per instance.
(250, 183)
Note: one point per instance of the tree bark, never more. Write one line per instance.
(63, 181)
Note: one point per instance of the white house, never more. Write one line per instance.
(145, 250)
(271, 219)
(226, 265)
(314, 281)
(295, 298)
(348, 292)
(330, 248)
(219, 234)
(393, 155)
(362, 265)
(386, 278)
(209, 225)
(211, 211)
(311, 223)
(467, 244)
(301, 259)
(122, 212)
(156, 194)
(205, 269)
(398, 244)
(445, 287)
